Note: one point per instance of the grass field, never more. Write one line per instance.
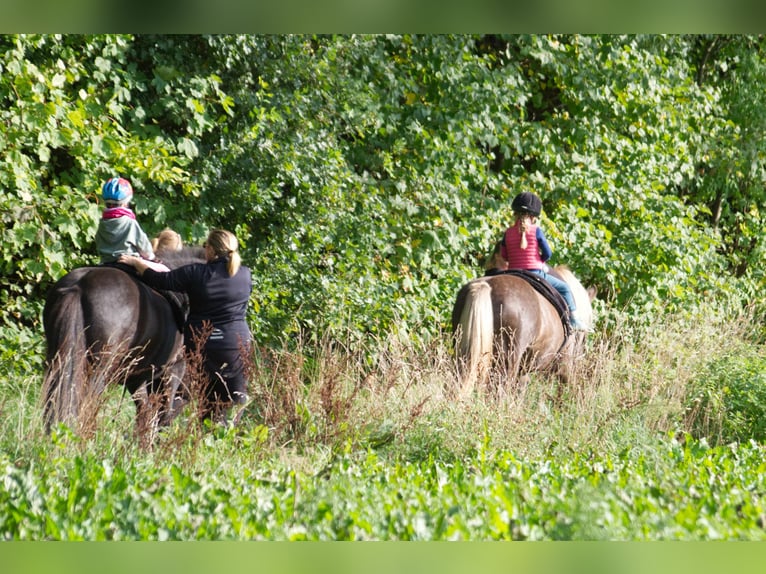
(658, 439)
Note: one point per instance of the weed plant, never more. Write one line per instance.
(343, 441)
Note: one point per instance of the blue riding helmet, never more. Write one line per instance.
(116, 189)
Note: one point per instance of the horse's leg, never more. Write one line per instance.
(179, 398)
(174, 397)
(510, 355)
(563, 379)
(147, 420)
(157, 399)
(566, 371)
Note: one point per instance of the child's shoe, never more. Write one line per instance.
(578, 325)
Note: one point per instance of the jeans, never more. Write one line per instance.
(559, 286)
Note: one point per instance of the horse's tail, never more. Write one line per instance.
(65, 356)
(475, 337)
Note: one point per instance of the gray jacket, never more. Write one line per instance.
(121, 235)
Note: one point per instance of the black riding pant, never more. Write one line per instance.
(225, 370)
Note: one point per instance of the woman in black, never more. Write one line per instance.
(219, 292)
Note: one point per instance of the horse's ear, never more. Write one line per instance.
(592, 293)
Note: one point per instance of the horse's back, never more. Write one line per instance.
(525, 315)
(115, 307)
(510, 295)
(86, 280)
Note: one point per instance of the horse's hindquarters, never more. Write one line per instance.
(505, 329)
(103, 326)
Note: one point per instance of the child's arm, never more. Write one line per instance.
(542, 243)
(144, 245)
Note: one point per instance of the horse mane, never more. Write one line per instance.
(495, 261)
(183, 256)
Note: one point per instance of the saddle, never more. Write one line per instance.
(179, 303)
(545, 289)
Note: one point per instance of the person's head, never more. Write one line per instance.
(527, 203)
(222, 243)
(117, 192)
(526, 208)
(167, 240)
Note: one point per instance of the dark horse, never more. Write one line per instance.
(504, 327)
(102, 324)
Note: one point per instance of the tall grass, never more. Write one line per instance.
(343, 441)
(309, 402)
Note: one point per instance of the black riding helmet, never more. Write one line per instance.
(527, 202)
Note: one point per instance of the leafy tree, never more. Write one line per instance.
(731, 171)
(76, 110)
(368, 176)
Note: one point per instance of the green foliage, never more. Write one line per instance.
(731, 170)
(368, 176)
(77, 110)
(728, 402)
(21, 352)
(683, 491)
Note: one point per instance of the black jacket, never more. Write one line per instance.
(213, 297)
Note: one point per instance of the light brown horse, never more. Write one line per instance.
(504, 329)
